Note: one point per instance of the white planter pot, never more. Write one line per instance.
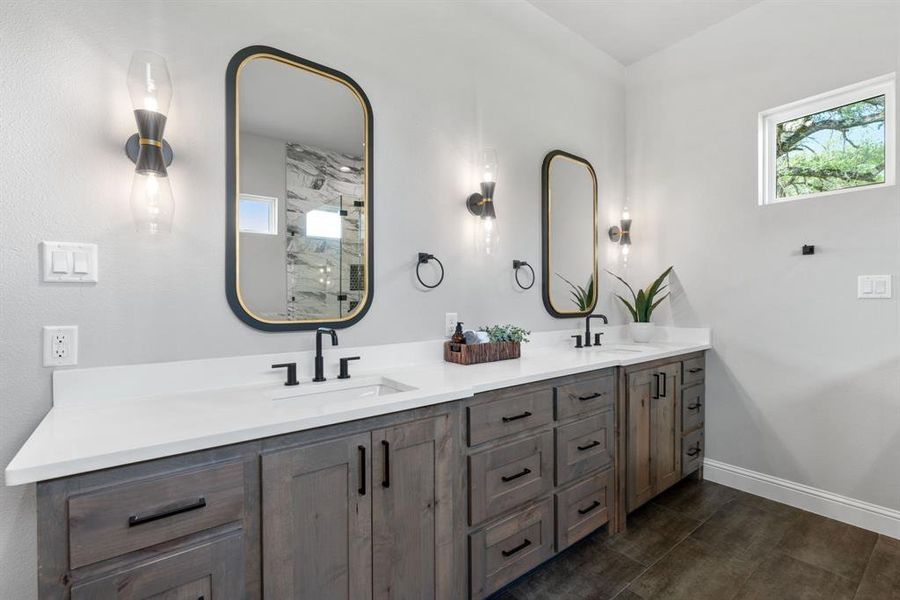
(641, 332)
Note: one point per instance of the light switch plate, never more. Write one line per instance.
(874, 286)
(68, 262)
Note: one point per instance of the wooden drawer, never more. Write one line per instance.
(585, 395)
(128, 517)
(507, 476)
(693, 407)
(584, 446)
(693, 371)
(510, 547)
(213, 570)
(583, 507)
(692, 450)
(508, 411)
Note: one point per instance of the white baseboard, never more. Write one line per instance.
(876, 518)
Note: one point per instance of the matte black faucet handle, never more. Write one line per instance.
(578, 341)
(597, 338)
(291, 372)
(345, 373)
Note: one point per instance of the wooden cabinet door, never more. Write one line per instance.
(317, 521)
(412, 521)
(665, 428)
(639, 475)
(212, 570)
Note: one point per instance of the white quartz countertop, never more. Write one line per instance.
(98, 422)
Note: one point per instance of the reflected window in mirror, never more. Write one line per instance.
(301, 132)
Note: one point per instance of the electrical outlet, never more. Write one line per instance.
(450, 320)
(60, 345)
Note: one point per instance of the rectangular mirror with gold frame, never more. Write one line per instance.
(299, 193)
(569, 232)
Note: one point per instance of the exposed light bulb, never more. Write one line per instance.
(152, 204)
(490, 235)
(626, 250)
(625, 214)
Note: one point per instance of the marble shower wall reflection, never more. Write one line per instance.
(324, 263)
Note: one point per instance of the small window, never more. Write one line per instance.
(259, 214)
(828, 144)
(323, 224)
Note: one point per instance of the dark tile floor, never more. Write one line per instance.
(701, 540)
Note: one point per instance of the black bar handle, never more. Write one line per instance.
(511, 551)
(695, 370)
(524, 415)
(362, 470)
(695, 450)
(584, 511)
(134, 520)
(593, 444)
(591, 396)
(656, 377)
(695, 406)
(522, 473)
(386, 478)
(664, 384)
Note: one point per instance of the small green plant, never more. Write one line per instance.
(582, 296)
(644, 302)
(506, 333)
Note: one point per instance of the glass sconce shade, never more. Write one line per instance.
(152, 203)
(149, 83)
(489, 165)
(487, 238)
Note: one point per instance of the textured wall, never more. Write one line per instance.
(804, 380)
(444, 78)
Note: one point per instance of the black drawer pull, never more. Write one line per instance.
(592, 396)
(362, 470)
(511, 551)
(134, 520)
(695, 406)
(694, 451)
(656, 396)
(524, 415)
(695, 370)
(386, 478)
(522, 473)
(584, 511)
(593, 444)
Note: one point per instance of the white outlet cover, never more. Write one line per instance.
(60, 345)
(450, 320)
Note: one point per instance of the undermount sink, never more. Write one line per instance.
(343, 390)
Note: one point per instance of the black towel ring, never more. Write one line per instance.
(424, 257)
(518, 264)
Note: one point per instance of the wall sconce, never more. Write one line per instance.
(150, 87)
(482, 205)
(622, 233)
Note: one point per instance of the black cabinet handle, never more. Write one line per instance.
(511, 551)
(592, 396)
(524, 415)
(584, 511)
(522, 473)
(694, 451)
(656, 377)
(593, 444)
(695, 370)
(362, 470)
(664, 385)
(695, 406)
(134, 520)
(386, 478)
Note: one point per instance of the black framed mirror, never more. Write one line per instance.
(299, 205)
(569, 235)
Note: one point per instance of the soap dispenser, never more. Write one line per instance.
(458, 335)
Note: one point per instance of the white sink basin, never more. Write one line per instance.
(342, 390)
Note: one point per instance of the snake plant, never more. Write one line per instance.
(644, 302)
(583, 297)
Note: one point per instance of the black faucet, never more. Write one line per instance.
(587, 329)
(320, 362)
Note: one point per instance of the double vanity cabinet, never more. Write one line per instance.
(448, 501)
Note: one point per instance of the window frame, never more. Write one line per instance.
(272, 201)
(770, 119)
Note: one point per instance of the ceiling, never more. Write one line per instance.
(629, 30)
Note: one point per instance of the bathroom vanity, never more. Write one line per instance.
(483, 474)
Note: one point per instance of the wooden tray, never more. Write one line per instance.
(471, 354)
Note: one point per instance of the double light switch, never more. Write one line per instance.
(69, 262)
(874, 286)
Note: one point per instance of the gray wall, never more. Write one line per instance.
(439, 93)
(804, 381)
(263, 257)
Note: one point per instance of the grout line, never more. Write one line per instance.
(866, 570)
